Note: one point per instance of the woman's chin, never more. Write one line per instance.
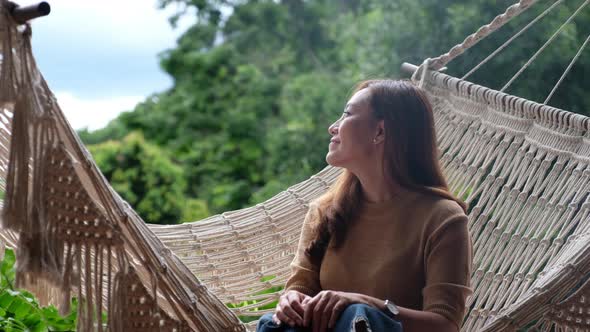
(332, 160)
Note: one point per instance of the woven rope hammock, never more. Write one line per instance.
(524, 168)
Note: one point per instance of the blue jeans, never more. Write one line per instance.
(351, 319)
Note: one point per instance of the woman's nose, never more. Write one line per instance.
(333, 129)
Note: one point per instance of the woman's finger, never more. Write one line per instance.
(284, 318)
(308, 313)
(294, 318)
(294, 301)
(336, 311)
(318, 311)
(306, 300)
(276, 319)
(327, 312)
(293, 315)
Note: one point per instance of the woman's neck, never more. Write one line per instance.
(376, 186)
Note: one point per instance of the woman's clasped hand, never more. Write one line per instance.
(318, 313)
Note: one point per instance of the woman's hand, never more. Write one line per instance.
(324, 309)
(290, 308)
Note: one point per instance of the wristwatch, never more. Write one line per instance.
(391, 308)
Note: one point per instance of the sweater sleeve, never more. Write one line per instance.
(448, 259)
(305, 276)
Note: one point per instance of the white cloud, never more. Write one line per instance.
(100, 57)
(93, 113)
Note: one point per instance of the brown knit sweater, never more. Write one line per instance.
(414, 250)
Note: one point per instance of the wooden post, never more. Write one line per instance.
(408, 68)
(24, 14)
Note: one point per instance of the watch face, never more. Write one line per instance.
(392, 308)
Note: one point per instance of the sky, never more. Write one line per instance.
(100, 58)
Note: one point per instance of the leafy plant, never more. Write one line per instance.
(247, 319)
(20, 311)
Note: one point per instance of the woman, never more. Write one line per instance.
(387, 248)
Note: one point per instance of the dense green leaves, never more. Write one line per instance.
(19, 311)
(144, 175)
(257, 83)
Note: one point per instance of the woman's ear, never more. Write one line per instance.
(380, 132)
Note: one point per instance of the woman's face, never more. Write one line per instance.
(353, 135)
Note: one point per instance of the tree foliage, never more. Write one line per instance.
(144, 176)
(257, 83)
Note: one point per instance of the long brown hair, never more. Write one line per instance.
(410, 160)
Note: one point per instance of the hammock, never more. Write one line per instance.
(522, 166)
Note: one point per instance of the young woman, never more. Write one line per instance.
(387, 248)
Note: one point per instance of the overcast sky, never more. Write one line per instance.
(101, 57)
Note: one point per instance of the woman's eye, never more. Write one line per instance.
(346, 113)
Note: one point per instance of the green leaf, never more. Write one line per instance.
(32, 319)
(7, 272)
(6, 299)
(40, 327)
(21, 308)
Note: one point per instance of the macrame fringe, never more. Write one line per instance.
(24, 196)
(73, 235)
(46, 292)
(16, 214)
(52, 258)
(7, 73)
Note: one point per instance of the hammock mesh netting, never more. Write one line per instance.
(523, 167)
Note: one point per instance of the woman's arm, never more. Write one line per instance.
(323, 310)
(413, 320)
(305, 276)
(304, 280)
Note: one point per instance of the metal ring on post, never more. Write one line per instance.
(23, 14)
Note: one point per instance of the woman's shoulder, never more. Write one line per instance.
(447, 207)
(440, 210)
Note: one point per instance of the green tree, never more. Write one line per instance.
(256, 83)
(144, 175)
(216, 133)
